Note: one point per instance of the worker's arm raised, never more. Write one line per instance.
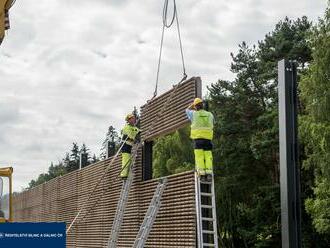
(191, 107)
(189, 113)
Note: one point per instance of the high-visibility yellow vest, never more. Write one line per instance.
(202, 125)
(131, 132)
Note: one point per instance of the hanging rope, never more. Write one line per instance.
(167, 24)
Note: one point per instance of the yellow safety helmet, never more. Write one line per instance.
(129, 116)
(197, 101)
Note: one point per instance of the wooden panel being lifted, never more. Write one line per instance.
(166, 113)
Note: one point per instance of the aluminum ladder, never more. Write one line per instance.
(207, 235)
(150, 216)
(119, 216)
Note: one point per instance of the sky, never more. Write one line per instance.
(69, 69)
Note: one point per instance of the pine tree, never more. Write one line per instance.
(113, 137)
(66, 162)
(94, 159)
(56, 170)
(72, 161)
(84, 151)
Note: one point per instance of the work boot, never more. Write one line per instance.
(200, 172)
(124, 178)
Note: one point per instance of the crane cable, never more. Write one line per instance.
(167, 24)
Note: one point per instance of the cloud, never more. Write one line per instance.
(68, 70)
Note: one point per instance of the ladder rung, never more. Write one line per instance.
(205, 182)
(208, 245)
(206, 194)
(208, 232)
(207, 219)
(206, 206)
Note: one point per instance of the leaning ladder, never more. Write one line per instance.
(119, 216)
(206, 213)
(151, 214)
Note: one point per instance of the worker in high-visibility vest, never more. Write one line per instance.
(202, 123)
(5, 5)
(129, 135)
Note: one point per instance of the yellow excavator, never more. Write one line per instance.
(5, 5)
(6, 187)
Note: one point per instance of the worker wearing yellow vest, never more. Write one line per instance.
(202, 123)
(129, 134)
(5, 5)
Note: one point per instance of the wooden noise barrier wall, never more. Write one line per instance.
(60, 199)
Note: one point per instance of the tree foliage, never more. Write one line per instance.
(315, 125)
(246, 144)
(112, 137)
(53, 171)
(173, 153)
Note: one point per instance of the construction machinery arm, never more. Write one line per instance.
(7, 172)
(5, 5)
